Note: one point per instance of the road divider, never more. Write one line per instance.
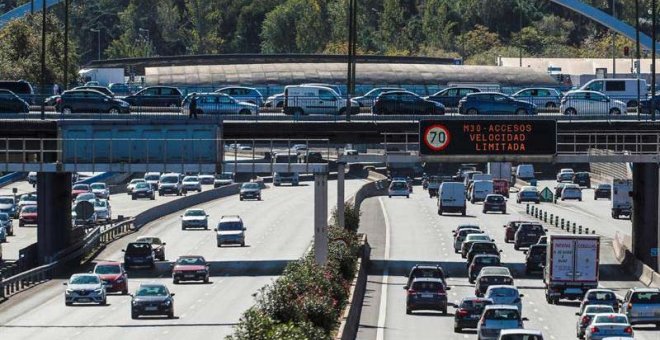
(642, 272)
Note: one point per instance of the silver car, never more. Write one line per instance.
(100, 190)
(244, 94)
(230, 230)
(191, 183)
(8, 206)
(194, 218)
(495, 318)
(462, 234)
(642, 306)
(539, 96)
(219, 103)
(505, 295)
(5, 222)
(103, 210)
(84, 288)
(608, 325)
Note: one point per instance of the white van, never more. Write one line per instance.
(525, 171)
(315, 99)
(621, 89)
(479, 190)
(451, 198)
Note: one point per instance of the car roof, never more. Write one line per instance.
(427, 266)
(645, 289)
(475, 298)
(529, 187)
(520, 331)
(495, 270)
(107, 263)
(231, 218)
(512, 287)
(428, 279)
(511, 307)
(144, 237)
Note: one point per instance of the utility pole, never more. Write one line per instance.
(43, 60)
(637, 56)
(98, 41)
(653, 38)
(350, 57)
(613, 42)
(66, 45)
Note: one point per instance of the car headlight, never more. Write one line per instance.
(201, 272)
(69, 291)
(134, 302)
(98, 291)
(167, 302)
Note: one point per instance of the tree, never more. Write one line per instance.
(476, 41)
(203, 20)
(304, 20)
(437, 27)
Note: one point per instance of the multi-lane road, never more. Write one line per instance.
(279, 230)
(409, 231)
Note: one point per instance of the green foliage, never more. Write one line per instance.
(476, 41)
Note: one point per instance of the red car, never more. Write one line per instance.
(28, 215)
(80, 189)
(190, 268)
(113, 275)
(501, 186)
(511, 229)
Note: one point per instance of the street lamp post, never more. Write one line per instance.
(613, 42)
(653, 39)
(66, 44)
(352, 46)
(98, 41)
(43, 60)
(638, 57)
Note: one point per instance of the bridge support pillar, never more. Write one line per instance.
(646, 191)
(321, 218)
(53, 214)
(341, 167)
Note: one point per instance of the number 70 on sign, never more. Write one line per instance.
(437, 137)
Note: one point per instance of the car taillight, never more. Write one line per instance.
(441, 292)
(462, 313)
(585, 320)
(630, 306)
(58, 100)
(594, 329)
(628, 330)
(411, 292)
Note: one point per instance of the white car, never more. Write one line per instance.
(462, 235)
(132, 183)
(27, 199)
(100, 190)
(518, 334)
(84, 288)
(565, 175)
(398, 188)
(608, 325)
(496, 318)
(194, 218)
(191, 183)
(585, 318)
(206, 178)
(103, 210)
(505, 295)
(152, 178)
(571, 192)
(581, 102)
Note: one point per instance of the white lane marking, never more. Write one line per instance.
(382, 308)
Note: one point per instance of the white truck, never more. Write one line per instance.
(102, 76)
(571, 267)
(500, 170)
(621, 199)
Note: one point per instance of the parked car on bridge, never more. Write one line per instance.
(88, 101)
(152, 299)
(21, 88)
(158, 96)
(493, 103)
(580, 102)
(243, 94)
(276, 100)
(11, 103)
(84, 288)
(541, 97)
(218, 104)
(450, 97)
(106, 91)
(316, 99)
(369, 98)
(405, 103)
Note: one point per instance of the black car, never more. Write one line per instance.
(106, 91)
(139, 254)
(11, 103)
(528, 234)
(645, 106)
(480, 261)
(494, 202)
(535, 258)
(493, 103)
(143, 190)
(158, 96)
(405, 103)
(482, 248)
(603, 191)
(469, 312)
(582, 179)
(152, 299)
(450, 97)
(21, 88)
(88, 101)
(426, 294)
(427, 271)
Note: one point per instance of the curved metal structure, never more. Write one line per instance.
(24, 10)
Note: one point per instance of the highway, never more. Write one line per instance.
(279, 229)
(409, 231)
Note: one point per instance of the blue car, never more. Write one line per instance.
(493, 103)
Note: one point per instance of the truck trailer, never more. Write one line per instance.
(571, 269)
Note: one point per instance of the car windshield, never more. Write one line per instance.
(224, 176)
(138, 248)
(133, 181)
(84, 280)
(502, 292)
(601, 296)
(191, 179)
(98, 186)
(195, 213)
(100, 203)
(250, 186)
(141, 185)
(6, 200)
(620, 319)
(170, 179)
(477, 237)
(428, 286)
(495, 199)
(645, 297)
(598, 309)
(521, 337)
(475, 305)
(229, 226)
(427, 272)
(107, 269)
(399, 186)
(152, 291)
(501, 314)
(191, 261)
(30, 209)
(81, 187)
(483, 246)
(151, 177)
(487, 260)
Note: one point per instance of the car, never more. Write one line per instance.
(89, 101)
(131, 185)
(586, 314)
(3, 235)
(28, 215)
(152, 299)
(607, 325)
(450, 97)
(528, 194)
(464, 226)
(535, 258)
(580, 102)
(398, 188)
(101, 190)
(501, 186)
(102, 210)
(528, 234)
(206, 178)
(243, 94)
(157, 245)
(152, 178)
(32, 177)
(119, 89)
(218, 104)
(571, 192)
(565, 175)
(426, 271)
(316, 99)
(543, 240)
(191, 183)
(143, 190)
(492, 276)
(194, 218)
(539, 96)
(280, 178)
(27, 199)
(190, 268)
(170, 184)
(426, 294)
(558, 189)
(250, 190)
(139, 254)
(405, 103)
(496, 318)
(113, 275)
(479, 189)
(85, 288)
(222, 179)
(494, 103)
(511, 228)
(642, 306)
(468, 312)
(480, 261)
(6, 224)
(603, 191)
(518, 334)
(86, 196)
(505, 295)
(494, 202)
(599, 296)
(459, 237)
(471, 239)
(311, 157)
(11, 103)
(369, 98)
(582, 178)
(80, 188)
(106, 91)
(8, 206)
(159, 96)
(230, 230)
(21, 88)
(482, 247)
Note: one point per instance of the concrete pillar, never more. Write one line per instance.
(321, 218)
(646, 201)
(340, 194)
(54, 214)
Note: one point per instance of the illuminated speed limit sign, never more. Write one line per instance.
(437, 137)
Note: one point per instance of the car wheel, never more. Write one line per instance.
(175, 281)
(241, 198)
(407, 196)
(134, 315)
(570, 111)
(615, 111)
(408, 311)
(243, 244)
(244, 112)
(206, 279)
(152, 197)
(20, 224)
(219, 244)
(472, 112)
(258, 198)
(516, 247)
(170, 315)
(444, 311)
(133, 197)
(124, 292)
(104, 302)
(113, 110)
(68, 303)
(440, 212)
(521, 112)
(457, 329)
(504, 212)
(172, 105)
(463, 212)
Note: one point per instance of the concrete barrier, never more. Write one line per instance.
(350, 318)
(642, 272)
